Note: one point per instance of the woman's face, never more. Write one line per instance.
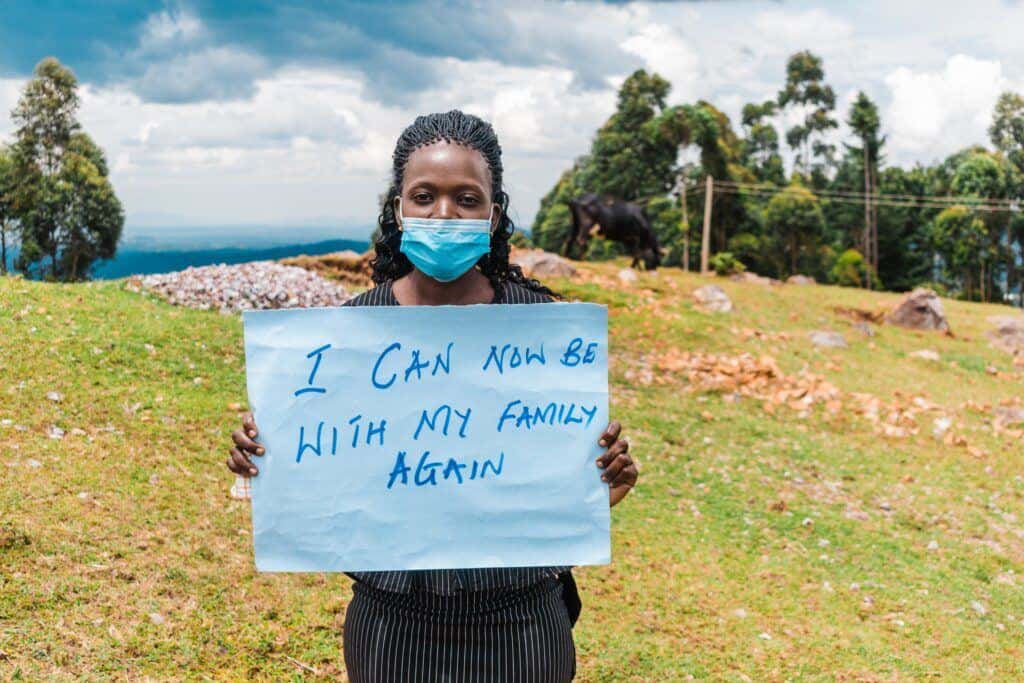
(447, 180)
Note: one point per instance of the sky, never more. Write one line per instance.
(286, 113)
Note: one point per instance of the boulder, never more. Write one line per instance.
(712, 298)
(540, 263)
(1008, 334)
(919, 310)
(829, 340)
(753, 278)
(801, 280)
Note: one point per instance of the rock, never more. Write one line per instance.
(864, 328)
(157, 618)
(712, 298)
(55, 432)
(920, 310)
(830, 340)
(801, 280)
(933, 545)
(940, 426)
(538, 263)
(54, 396)
(1009, 416)
(628, 276)
(244, 286)
(753, 278)
(1009, 333)
(926, 354)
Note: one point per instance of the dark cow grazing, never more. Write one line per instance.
(616, 220)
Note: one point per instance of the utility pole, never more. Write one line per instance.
(705, 238)
(686, 223)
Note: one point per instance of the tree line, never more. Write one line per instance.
(56, 200)
(839, 215)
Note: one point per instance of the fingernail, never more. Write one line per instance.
(259, 451)
(604, 478)
(600, 464)
(252, 470)
(604, 442)
(252, 433)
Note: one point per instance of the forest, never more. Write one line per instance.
(838, 213)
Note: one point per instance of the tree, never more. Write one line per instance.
(961, 237)
(794, 218)
(633, 157)
(761, 144)
(805, 88)
(67, 210)
(905, 256)
(7, 180)
(865, 124)
(1007, 129)
(983, 175)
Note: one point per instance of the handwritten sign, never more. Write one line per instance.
(429, 437)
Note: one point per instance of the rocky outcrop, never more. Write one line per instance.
(919, 310)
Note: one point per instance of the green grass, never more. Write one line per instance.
(757, 547)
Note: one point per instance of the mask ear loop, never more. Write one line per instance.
(398, 214)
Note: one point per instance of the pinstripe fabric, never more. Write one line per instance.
(520, 635)
(452, 581)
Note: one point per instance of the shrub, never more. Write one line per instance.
(724, 263)
(850, 270)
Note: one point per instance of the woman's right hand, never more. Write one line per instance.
(245, 447)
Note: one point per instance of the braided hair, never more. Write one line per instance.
(472, 132)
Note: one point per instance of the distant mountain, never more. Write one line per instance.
(131, 260)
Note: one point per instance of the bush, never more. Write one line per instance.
(850, 270)
(724, 263)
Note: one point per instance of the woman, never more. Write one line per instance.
(445, 240)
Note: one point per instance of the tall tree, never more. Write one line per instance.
(794, 218)
(7, 179)
(806, 90)
(1007, 129)
(68, 213)
(633, 157)
(761, 143)
(865, 124)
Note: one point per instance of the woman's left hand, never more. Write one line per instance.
(619, 469)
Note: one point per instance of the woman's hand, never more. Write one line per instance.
(619, 469)
(239, 459)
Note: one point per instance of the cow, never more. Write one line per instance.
(615, 220)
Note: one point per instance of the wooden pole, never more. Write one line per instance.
(686, 224)
(705, 247)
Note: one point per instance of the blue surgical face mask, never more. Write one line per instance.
(444, 248)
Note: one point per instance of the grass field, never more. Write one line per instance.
(761, 544)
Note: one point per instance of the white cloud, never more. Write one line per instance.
(666, 52)
(938, 111)
(170, 26)
(785, 29)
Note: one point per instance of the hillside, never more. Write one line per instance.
(772, 537)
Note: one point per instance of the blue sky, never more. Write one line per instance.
(286, 112)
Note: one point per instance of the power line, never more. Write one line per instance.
(877, 199)
(949, 200)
